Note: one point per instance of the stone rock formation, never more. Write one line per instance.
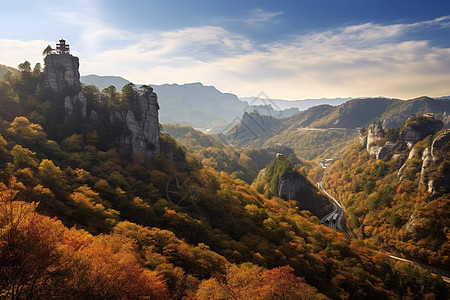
(140, 117)
(441, 146)
(427, 159)
(436, 183)
(61, 74)
(375, 132)
(385, 151)
(430, 159)
(142, 122)
(363, 139)
(75, 104)
(294, 186)
(417, 128)
(439, 152)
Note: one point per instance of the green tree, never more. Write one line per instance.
(51, 175)
(25, 67)
(26, 133)
(23, 157)
(47, 50)
(129, 95)
(111, 95)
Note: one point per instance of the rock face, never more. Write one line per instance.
(437, 182)
(441, 146)
(143, 124)
(427, 159)
(140, 117)
(75, 104)
(431, 159)
(374, 132)
(418, 127)
(439, 152)
(388, 148)
(61, 74)
(294, 186)
(363, 140)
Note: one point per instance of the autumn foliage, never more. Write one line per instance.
(79, 221)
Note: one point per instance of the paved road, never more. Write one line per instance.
(334, 221)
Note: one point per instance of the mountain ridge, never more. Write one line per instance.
(309, 129)
(193, 104)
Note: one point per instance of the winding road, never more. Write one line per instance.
(334, 221)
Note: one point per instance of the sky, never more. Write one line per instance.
(284, 49)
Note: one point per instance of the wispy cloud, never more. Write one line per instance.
(259, 16)
(360, 60)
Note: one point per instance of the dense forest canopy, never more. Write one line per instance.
(78, 220)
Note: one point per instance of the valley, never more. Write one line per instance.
(116, 204)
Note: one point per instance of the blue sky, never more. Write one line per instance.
(287, 49)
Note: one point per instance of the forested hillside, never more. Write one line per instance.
(400, 201)
(324, 131)
(243, 163)
(79, 220)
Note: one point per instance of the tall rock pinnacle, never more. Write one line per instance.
(61, 71)
(140, 116)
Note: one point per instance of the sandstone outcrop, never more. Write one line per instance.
(430, 160)
(75, 104)
(375, 132)
(441, 146)
(142, 122)
(418, 127)
(140, 116)
(61, 74)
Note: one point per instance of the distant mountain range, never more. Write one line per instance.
(194, 104)
(308, 131)
(279, 104)
(103, 82)
(205, 107)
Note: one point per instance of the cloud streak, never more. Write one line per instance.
(259, 16)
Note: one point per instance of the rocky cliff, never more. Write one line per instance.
(433, 164)
(294, 186)
(439, 181)
(139, 116)
(61, 74)
(417, 128)
(142, 122)
(375, 132)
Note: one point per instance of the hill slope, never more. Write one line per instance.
(324, 130)
(78, 220)
(4, 69)
(399, 202)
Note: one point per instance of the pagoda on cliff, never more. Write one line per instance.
(62, 48)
